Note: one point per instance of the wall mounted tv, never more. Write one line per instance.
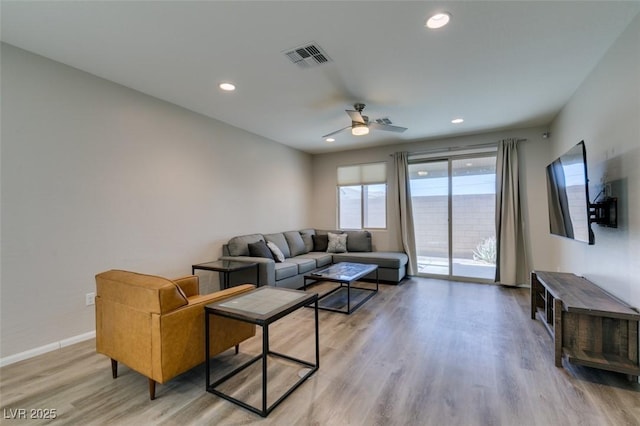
(568, 195)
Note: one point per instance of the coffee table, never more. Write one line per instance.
(226, 267)
(262, 307)
(345, 273)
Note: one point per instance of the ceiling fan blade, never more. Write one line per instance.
(355, 116)
(337, 131)
(387, 127)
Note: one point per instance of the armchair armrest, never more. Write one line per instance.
(190, 285)
(204, 299)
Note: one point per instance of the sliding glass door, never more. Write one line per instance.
(454, 216)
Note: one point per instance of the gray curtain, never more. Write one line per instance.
(511, 263)
(405, 211)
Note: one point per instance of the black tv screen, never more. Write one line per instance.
(568, 195)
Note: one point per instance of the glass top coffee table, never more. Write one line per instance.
(262, 307)
(344, 273)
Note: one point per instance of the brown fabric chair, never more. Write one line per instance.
(155, 326)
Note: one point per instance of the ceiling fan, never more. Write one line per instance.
(360, 124)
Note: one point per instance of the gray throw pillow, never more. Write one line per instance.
(295, 242)
(307, 237)
(279, 240)
(277, 253)
(358, 241)
(320, 242)
(337, 243)
(260, 249)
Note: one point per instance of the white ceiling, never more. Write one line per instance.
(498, 65)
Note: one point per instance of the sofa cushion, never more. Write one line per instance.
(307, 237)
(358, 241)
(320, 242)
(286, 270)
(279, 240)
(337, 243)
(239, 246)
(321, 258)
(260, 249)
(304, 264)
(278, 256)
(384, 259)
(295, 242)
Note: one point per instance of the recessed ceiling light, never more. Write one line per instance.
(457, 120)
(330, 140)
(422, 172)
(468, 164)
(227, 87)
(438, 20)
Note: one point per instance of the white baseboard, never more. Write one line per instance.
(46, 348)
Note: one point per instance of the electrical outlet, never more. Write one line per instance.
(90, 299)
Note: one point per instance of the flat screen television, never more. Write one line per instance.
(568, 195)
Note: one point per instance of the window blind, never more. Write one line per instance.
(362, 174)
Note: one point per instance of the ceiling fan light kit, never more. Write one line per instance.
(360, 124)
(359, 129)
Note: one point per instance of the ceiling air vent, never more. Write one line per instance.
(308, 55)
(383, 121)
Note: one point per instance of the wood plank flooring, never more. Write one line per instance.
(426, 352)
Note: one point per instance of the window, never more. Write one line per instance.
(362, 196)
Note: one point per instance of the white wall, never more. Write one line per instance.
(605, 112)
(532, 154)
(97, 176)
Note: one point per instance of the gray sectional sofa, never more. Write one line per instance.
(304, 251)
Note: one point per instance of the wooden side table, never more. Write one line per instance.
(226, 267)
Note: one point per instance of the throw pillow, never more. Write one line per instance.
(307, 237)
(278, 256)
(260, 249)
(337, 243)
(358, 241)
(295, 242)
(320, 242)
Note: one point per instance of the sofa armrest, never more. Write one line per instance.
(266, 267)
(190, 285)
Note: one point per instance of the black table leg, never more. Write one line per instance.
(265, 351)
(206, 348)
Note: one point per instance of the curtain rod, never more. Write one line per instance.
(457, 148)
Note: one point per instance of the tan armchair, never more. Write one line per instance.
(155, 326)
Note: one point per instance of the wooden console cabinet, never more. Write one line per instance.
(588, 325)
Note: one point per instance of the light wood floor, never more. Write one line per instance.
(426, 352)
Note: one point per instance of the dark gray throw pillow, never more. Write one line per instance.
(320, 242)
(260, 249)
